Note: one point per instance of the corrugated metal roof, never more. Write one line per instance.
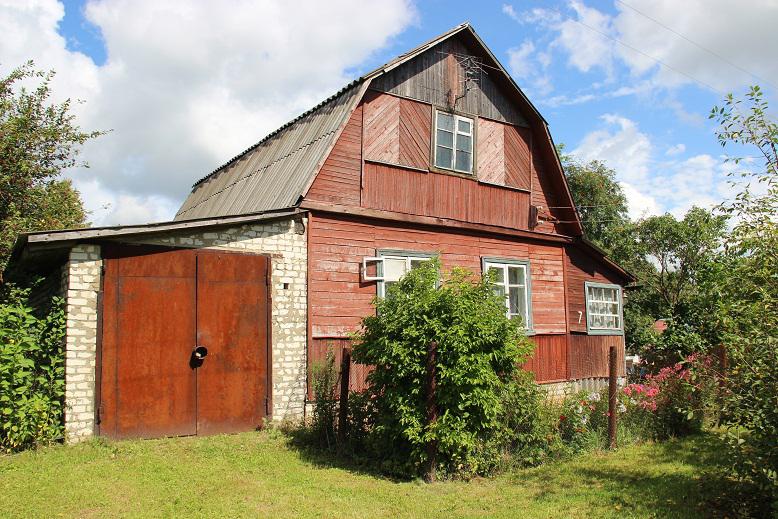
(272, 173)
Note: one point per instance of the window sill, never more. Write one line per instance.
(511, 188)
(604, 332)
(453, 173)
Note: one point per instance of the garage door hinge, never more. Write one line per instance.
(99, 414)
(267, 406)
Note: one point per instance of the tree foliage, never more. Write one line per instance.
(748, 296)
(38, 140)
(600, 200)
(478, 351)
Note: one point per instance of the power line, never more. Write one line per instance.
(709, 51)
(635, 49)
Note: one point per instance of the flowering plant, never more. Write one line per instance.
(672, 402)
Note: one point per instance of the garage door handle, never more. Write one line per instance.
(200, 352)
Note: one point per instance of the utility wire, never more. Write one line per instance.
(635, 49)
(709, 51)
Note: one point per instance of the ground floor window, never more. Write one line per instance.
(389, 266)
(511, 279)
(603, 309)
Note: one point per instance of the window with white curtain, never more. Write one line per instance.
(603, 308)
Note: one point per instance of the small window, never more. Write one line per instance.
(395, 265)
(603, 309)
(453, 142)
(511, 280)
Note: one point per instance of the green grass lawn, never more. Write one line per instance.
(261, 475)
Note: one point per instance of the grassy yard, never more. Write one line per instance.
(261, 475)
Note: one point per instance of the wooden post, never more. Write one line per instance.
(345, 374)
(612, 399)
(432, 412)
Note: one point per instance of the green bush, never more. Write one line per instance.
(478, 351)
(32, 381)
(527, 422)
(324, 378)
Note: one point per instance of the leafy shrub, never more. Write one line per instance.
(32, 381)
(674, 345)
(478, 350)
(751, 411)
(527, 422)
(324, 379)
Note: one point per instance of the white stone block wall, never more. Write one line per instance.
(81, 277)
(559, 390)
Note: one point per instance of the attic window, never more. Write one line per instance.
(453, 142)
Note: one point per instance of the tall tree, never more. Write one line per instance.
(747, 293)
(39, 139)
(600, 202)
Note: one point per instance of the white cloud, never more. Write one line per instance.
(723, 33)
(519, 59)
(586, 47)
(654, 186)
(621, 144)
(188, 85)
(510, 11)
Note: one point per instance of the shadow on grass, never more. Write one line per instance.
(693, 483)
(312, 452)
(676, 478)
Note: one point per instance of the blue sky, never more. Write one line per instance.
(185, 87)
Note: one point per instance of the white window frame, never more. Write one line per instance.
(590, 328)
(504, 263)
(456, 132)
(408, 256)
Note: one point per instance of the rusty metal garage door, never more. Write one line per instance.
(185, 342)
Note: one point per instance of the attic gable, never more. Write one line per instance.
(278, 172)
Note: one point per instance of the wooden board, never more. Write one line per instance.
(589, 355)
(549, 361)
(393, 188)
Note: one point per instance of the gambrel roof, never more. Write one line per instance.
(276, 172)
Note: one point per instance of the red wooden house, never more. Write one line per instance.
(436, 153)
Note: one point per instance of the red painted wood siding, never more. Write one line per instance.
(317, 354)
(447, 196)
(549, 362)
(382, 127)
(543, 195)
(397, 130)
(589, 355)
(581, 268)
(339, 299)
(415, 133)
(503, 154)
(338, 180)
